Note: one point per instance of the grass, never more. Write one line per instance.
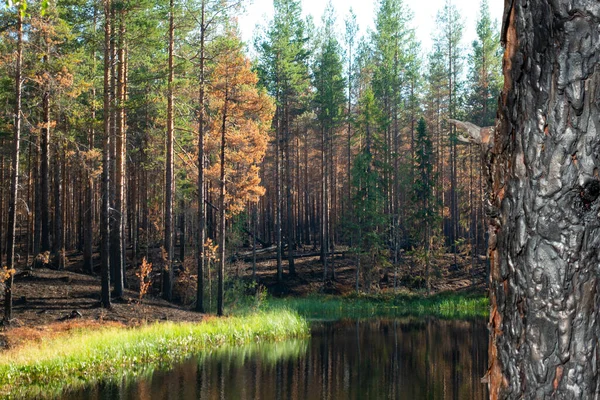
(443, 305)
(86, 356)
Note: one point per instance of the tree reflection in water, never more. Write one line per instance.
(368, 359)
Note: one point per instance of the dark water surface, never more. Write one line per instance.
(369, 359)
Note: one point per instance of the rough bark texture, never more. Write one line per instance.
(544, 258)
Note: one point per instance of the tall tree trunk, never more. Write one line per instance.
(222, 226)
(324, 205)
(14, 178)
(168, 270)
(182, 229)
(117, 248)
(288, 196)
(45, 171)
(88, 224)
(201, 192)
(57, 243)
(2, 202)
(544, 321)
(105, 190)
(278, 194)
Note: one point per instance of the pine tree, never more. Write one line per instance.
(240, 120)
(329, 103)
(449, 39)
(424, 198)
(368, 222)
(283, 71)
(20, 8)
(485, 70)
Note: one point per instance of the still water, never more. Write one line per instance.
(368, 359)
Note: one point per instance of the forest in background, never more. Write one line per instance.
(324, 141)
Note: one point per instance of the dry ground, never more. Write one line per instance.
(47, 300)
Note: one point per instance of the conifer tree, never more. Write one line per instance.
(329, 102)
(485, 70)
(426, 214)
(283, 70)
(240, 120)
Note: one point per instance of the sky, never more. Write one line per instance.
(425, 11)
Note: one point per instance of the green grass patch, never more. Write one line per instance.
(87, 356)
(443, 305)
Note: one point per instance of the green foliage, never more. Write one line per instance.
(328, 79)
(87, 356)
(426, 206)
(443, 305)
(282, 67)
(485, 70)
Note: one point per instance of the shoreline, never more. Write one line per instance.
(83, 356)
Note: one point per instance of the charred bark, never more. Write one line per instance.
(545, 279)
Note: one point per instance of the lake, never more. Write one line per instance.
(353, 359)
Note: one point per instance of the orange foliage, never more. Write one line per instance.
(248, 115)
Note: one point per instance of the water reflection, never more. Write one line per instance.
(374, 359)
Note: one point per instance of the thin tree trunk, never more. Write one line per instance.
(288, 196)
(45, 171)
(168, 270)
(182, 229)
(14, 178)
(254, 217)
(58, 244)
(324, 207)
(278, 195)
(117, 248)
(201, 197)
(105, 190)
(88, 224)
(222, 226)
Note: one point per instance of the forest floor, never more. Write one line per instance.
(446, 276)
(53, 301)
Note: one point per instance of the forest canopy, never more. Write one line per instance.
(142, 130)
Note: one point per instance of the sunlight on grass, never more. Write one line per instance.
(443, 305)
(86, 356)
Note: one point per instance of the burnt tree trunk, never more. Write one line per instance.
(167, 291)
(14, 176)
(544, 320)
(201, 184)
(105, 188)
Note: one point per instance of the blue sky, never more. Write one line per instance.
(425, 11)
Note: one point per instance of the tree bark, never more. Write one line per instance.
(117, 247)
(201, 197)
(222, 226)
(45, 172)
(544, 295)
(14, 178)
(57, 243)
(105, 190)
(168, 270)
(88, 223)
